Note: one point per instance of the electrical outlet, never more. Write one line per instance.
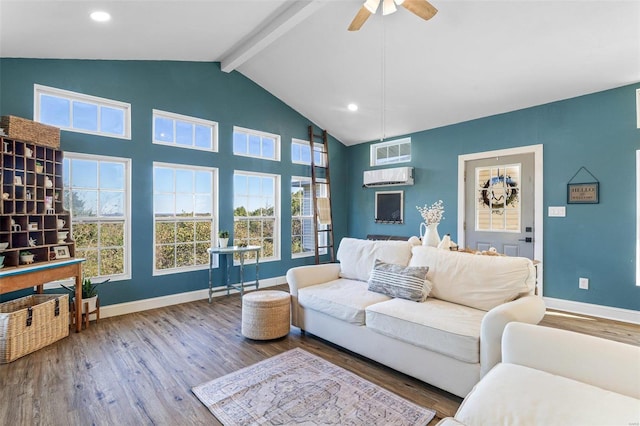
(583, 283)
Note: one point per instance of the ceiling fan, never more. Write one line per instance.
(422, 8)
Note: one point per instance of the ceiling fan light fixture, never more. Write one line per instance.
(352, 107)
(372, 5)
(388, 7)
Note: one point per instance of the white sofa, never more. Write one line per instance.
(450, 340)
(556, 377)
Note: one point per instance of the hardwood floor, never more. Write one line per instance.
(138, 369)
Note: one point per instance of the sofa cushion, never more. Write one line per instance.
(405, 282)
(343, 299)
(443, 327)
(521, 395)
(357, 257)
(481, 282)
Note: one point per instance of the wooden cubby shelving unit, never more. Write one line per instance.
(30, 206)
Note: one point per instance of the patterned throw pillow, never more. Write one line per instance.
(405, 282)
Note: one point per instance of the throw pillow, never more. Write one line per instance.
(405, 282)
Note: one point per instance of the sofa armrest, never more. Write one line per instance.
(304, 276)
(528, 309)
(609, 365)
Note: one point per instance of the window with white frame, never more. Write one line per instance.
(301, 153)
(302, 230)
(184, 131)
(256, 212)
(97, 193)
(257, 144)
(82, 113)
(638, 107)
(391, 152)
(638, 218)
(184, 208)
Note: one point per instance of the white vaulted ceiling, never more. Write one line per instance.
(473, 59)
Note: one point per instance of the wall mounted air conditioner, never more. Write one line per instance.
(389, 177)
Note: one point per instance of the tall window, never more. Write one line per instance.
(82, 113)
(301, 153)
(391, 152)
(184, 131)
(184, 208)
(256, 213)
(253, 143)
(97, 194)
(638, 216)
(302, 232)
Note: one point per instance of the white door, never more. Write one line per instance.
(499, 204)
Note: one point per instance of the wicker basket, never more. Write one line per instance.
(31, 323)
(30, 131)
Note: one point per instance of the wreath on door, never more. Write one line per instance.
(489, 198)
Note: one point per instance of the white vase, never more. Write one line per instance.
(431, 237)
(223, 242)
(90, 301)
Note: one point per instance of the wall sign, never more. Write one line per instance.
(582, 193)
(585, 192)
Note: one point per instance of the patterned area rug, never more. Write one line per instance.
(297, 387)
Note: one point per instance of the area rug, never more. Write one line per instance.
(297, 387)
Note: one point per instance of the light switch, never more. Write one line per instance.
(557, 211)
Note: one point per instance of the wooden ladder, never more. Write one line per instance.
(322, 209)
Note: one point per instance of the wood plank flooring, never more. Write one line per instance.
(138, 369)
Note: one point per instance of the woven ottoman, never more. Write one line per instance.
(266, 314)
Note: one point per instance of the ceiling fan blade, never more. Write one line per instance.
(361, 17)
(422, 8)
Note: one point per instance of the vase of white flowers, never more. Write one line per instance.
(432, 216)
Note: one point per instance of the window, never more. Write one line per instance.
(253, 143)
(638, 107)
(184, 131)
(392, 152)
(183, 208)
(497, 207)
(302, 232)
(256, 213)
(82, 113)
(301, 153)
(638, 218)
(96, 192)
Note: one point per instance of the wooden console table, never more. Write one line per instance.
(38, 274)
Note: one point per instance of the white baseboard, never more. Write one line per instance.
(617, 314)
(174, 299)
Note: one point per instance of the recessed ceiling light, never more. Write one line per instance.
(100, 16)
(352, 107)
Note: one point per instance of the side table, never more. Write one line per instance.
(229, 252)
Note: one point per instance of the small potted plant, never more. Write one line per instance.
(223, 239)
(26, 257)
(39, 167)
(89, 294)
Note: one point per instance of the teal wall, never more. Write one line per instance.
(196, 89)
(597, 131)
(597, 241)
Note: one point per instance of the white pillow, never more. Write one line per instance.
(357, 257)
(481, 282)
